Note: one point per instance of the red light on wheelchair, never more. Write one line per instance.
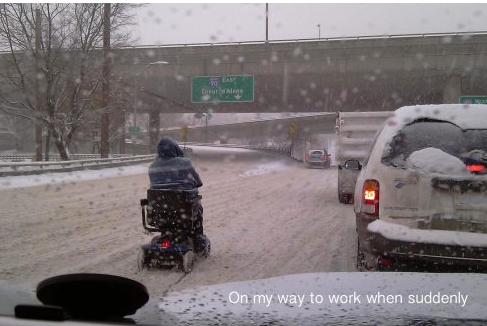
(166, 243)
(476, 167)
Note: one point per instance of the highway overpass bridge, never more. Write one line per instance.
(312, 75)
(318, 75)
(370, 73)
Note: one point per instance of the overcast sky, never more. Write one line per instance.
(193, 23)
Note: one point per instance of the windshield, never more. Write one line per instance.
(223, 155)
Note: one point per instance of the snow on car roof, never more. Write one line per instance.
(466, 116)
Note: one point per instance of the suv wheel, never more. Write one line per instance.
(370, 262)
(366, 262)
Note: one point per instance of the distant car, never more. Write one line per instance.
(422, 192)
(318, 157)
(346, 180)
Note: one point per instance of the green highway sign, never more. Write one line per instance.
(134, 129)
(473, 99)
(208, 89)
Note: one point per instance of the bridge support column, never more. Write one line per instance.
(154, 127)
(452, 89)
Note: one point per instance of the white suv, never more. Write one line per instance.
(422, 192)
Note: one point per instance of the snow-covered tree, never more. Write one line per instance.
(70, 61)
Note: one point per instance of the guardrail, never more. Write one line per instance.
(32, 168)
(29, 168)
(54, 157)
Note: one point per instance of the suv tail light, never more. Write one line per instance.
(370, 197)
(324, 157)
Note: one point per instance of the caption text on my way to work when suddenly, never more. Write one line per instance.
(379, 298)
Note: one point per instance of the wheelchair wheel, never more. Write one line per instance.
(188, 259)
(207, 250)
(141, 265)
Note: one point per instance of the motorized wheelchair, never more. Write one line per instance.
(173, 214)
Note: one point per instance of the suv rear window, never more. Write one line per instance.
(316, 152)
(441, 135)
(352, 165)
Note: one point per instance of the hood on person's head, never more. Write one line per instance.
(168, 148)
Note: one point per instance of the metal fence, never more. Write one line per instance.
(54, 157)
(29, 168)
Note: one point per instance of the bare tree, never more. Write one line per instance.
(71, 60)
(16, 126)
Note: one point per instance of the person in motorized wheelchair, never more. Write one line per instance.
(171, 171)
(173, 209)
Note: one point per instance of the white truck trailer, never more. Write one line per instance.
(355, 132)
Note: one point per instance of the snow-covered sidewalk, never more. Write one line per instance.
(67, 177)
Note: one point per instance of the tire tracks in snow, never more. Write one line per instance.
(282, 222)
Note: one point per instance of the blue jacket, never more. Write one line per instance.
(171, 170)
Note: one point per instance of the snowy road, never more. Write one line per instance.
(266, 216)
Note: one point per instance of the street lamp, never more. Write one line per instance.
(319, 31)
(134, 131)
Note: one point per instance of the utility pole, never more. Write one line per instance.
(267, 23)
(38, 74)
(104, 148)
(134, 135)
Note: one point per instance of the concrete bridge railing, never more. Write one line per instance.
(338, 38)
